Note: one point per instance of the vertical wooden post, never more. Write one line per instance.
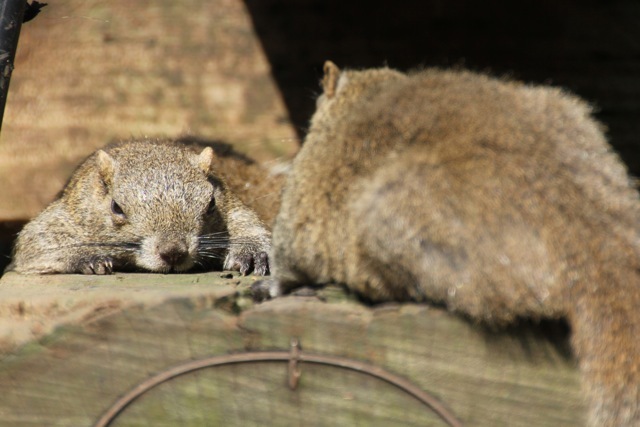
(11, 16)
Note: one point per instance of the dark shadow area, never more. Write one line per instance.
(590, 47)
(529, 334)
(8, 232)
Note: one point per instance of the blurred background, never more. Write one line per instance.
(88, 72)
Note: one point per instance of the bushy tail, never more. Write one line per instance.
(605, 321)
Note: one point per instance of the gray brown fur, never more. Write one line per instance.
(173, 212)
(499, 199)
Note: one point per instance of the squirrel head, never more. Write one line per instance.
(161, 196)
(341, 89)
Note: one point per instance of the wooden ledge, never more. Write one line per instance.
(74, 344)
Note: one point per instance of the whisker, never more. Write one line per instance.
(210, 256)
(226, 245)
(213, 241)
(210, 251)
(216, 233)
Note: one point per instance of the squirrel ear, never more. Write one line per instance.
(106, 166)
(204, 160)
(330, 79)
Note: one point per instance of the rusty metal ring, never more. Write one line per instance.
(292, 357)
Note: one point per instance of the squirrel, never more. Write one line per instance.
(498, 199)
(145, 205)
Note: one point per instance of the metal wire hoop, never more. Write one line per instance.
(292, 357)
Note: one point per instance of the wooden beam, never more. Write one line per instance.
(74, 344)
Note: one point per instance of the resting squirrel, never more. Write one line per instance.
(498, 199)
(147, 205)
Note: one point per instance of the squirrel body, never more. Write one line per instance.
(498, 199)
(144, 205)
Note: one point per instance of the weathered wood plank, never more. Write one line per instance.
(71, 375)
(486, 380)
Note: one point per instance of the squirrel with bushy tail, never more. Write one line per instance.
(498, 199)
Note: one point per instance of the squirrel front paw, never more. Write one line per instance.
(95, 264)
(245, 262)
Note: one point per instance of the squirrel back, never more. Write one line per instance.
(498, 199)
(149, 205)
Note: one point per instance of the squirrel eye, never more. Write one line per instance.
(212, 206)
(116, 209)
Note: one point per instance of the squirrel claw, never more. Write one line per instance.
(97, 264)
(245, 263)
(261, 264)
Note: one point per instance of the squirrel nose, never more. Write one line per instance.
(173, 253)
